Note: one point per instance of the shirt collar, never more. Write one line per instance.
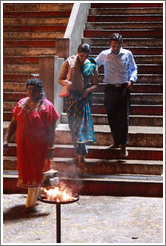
(121, 51)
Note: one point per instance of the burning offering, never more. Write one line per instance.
(57, 195)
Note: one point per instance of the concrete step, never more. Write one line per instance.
(116, 185)
(98, 166)
(127, 5)
(135, 33)
(14, 87)
(136, 98)
(22, 60)
(121, 185)
(143, 68)
(148, 59)
(8, 106)
(98, 97)
(142, 78)
(134, 120)
(29, 43)
(35, 28)
(135, 50)
(126, 11)
(150, 78)
(7, 116)
(16, 77)
(32, 35)
(24, 7)
(35, 21)
(100, 152)
(109, 22)
(125, 18)
(21, 68)
(126, 41)
(114, 166)
(139, 59)
(13, 96)
(28, 52)
(137, 88)
(138, 136)
(98, 109)
(151, 120)
(134, 110)
(29, 14)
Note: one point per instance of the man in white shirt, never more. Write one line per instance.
(120, 71)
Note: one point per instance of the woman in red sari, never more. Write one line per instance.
(34, 119)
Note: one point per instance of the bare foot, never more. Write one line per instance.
(123, 152)
(81, 160)
(113, 146)
(29, 210)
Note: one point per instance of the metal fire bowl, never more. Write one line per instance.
(42, 198)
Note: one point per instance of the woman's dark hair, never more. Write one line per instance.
(39, 84)
(84, 48)
(116, 37)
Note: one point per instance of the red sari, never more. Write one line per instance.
(32, 141)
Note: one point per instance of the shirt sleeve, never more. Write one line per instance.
(132, 68)
(100, 59)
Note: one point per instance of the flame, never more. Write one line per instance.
(57, 194)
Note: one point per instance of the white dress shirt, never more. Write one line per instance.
(118, 69)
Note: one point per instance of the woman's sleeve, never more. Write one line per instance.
(52, 115)
(17, 109)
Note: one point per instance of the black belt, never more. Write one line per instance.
(117, 85)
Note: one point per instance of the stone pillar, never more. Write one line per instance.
(49, 70)
(58, 101)
(46, 74)
(62, 47)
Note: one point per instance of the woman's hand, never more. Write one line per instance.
(69, 84)
(85, 93)
(10, 131)
(50, 153)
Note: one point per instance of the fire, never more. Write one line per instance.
(55, 194)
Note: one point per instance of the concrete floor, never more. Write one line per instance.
(92, 219)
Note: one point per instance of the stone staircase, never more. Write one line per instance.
(30, 30)
(105, 173)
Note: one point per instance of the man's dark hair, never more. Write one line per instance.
(84, 48)
(38, 83)
(116, 37)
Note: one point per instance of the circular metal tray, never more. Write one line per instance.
(43, 198)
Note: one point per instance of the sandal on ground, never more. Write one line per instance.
(29, 210)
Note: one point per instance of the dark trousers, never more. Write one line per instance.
(117, 103)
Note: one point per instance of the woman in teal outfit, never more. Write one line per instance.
(79, 73)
